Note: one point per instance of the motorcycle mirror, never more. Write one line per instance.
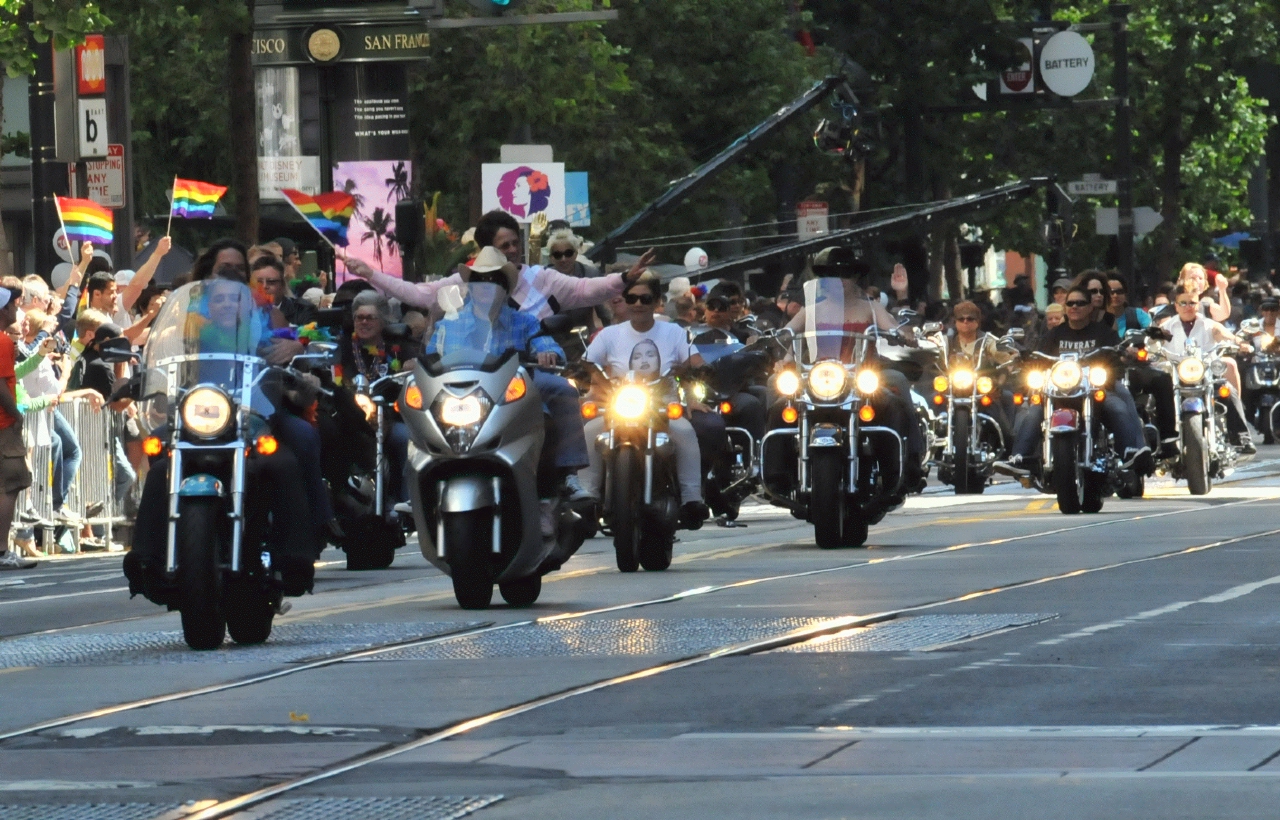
(360, 383)
(1135, 333)
(931, 328)
(1251, 326)
(1154, 332)
(1016, 333)
(117, 350)
(907, 313)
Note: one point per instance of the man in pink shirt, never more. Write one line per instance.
(541, 292)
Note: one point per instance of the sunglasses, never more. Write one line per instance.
(1095, 290)
(1077, 303)
(642, 298)
(1186, 304)
(966, 318)
(717, 304)
(1115, 291)
(569, 254)
(271, 283)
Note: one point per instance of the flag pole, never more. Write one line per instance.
(173, 196)
(58, 207)
(309, 224)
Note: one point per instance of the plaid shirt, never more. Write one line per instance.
(512, 330)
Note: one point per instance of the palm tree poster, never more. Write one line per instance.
(376, 186)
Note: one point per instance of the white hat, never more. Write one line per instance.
(124, 277)
(313, 295)
(489, 259)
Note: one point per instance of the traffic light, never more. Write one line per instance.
(494, 8)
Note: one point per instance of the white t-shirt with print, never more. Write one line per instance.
(620, 348)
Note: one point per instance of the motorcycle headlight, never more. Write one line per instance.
(461, 412)
(986, 384)
(206, 411)
(1190, 370)
(699, 391)
(1035, 379)
(787, 383)
(827, 379)
(962, 379)
(867, 382)
(1065, 375)
(630, 402)
(1098, 376)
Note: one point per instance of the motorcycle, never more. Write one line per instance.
(373, 532)
(201, 388)
(970, 441)
(1078, 461)
(1205, 450)
(641, 498)
(1262, 380)
(843, 482)
(476, 430)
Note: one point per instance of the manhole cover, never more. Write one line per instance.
(917, 633)
(606, 638)
(288, 643)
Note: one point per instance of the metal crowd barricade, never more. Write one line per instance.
(92, 491)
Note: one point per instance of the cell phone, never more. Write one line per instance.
(310, 264)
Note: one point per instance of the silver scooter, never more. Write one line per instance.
(476, 428)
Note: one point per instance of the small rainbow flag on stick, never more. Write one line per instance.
(329, 214)
(193, 199)
(85, 220)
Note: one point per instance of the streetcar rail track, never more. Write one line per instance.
(828, 627)
(472, 631)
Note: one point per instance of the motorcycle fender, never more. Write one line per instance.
(201, 485)
(826, 435)
(1064, 420)
(466, 493)
(1194, 404)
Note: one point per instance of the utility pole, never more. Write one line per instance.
(1124, 144)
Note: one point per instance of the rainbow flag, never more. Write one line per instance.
(85, 221)
(329, 214)
(193, 199)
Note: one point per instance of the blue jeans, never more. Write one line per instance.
(565, 436)
(1118, 413)
(66, 458)
(123, 473)
(395, 448)
(304, 441)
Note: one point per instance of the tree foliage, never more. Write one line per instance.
(25, 22)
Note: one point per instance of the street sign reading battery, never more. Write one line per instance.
(1092, 187)
(105, 178)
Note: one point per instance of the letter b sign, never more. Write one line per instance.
(93, 128)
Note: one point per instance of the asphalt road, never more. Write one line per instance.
(984, 656)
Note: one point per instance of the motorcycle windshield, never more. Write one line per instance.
(827, 333)
(475, 332)
(200, 326)
(711, 351)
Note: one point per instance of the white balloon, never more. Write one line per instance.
(696, 259)
(61, 272)
(61, 246)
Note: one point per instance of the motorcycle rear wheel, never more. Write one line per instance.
(627, 482)
(199, 576)
(522, 591)
(467, 537)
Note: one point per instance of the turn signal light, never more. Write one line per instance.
(725, 408)
(866, 412)
(1035, 399)
(674, 410)
(1143, 355)
(1099, 395)
(413, 396)
(590, 410)
(1224, 392)
(267, 445)
(516, 388)
(152, 446)
(790, 414)
(938, 399)
(940, 383)
(986, 401)
(1018, 398)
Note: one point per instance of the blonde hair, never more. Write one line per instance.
(565, 235)
(1054, 307)
(1190, 269)
(90, 320)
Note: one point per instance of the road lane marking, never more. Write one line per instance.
(63, 595)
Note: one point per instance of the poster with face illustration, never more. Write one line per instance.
(646, 359)
(524, 189)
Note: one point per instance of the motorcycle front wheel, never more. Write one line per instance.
(627, 481)
(199, 580)
(1067, 484)
(467, 537)
(1195, 458)
(826, 500)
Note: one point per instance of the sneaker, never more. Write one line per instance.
(1244, 443)
(65, 513)
(576, 491)
(1168, 448)
(9, 559)
(1016, 466)
(403, 508)
(692, 514)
